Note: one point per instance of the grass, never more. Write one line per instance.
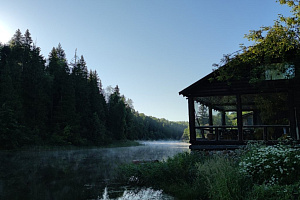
(174, 176)
(198, 175)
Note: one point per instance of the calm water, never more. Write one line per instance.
(78, 174)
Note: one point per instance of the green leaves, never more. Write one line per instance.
(272, 165)
(271, 44)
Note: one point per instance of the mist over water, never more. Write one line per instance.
(78, 174)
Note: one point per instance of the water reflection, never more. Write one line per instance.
(73, 174)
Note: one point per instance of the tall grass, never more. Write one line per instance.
(176, 176)
(217, 176)
(189, 176)
(222, 179)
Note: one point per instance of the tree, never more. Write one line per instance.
(50, 104)
(98, 109)
(63, 118)
(275, 50)
(27, 38)
(116, 115)
(273, 46)
(34, 88)
(10, 103)
(17, 39)
(202, 115)
(82, 103)
(186, 134)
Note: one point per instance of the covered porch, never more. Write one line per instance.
(228, 115)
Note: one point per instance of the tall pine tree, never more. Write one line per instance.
(116, 115)
(63, 113)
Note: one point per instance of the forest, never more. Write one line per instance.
(53, 102)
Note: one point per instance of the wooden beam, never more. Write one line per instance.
(210, 116)
(210, 119)
(223, 118)
(239, 116)
(292, 116)
(192, 119)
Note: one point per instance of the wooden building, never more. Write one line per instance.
(228, 114)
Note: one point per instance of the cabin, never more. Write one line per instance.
(228, 114)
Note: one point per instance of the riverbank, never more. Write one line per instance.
(258, 172)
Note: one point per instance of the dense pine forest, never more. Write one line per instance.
(53, 102)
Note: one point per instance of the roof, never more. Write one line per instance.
(210, 86)
(221, 95)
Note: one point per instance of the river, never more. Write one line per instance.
(78, 174)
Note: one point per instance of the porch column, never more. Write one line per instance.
(223, 118)
(292, 115)
(210, 122)
(239, 117)
(192, 119)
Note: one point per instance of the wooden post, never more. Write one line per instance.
(210, 120)
(239, 117)
(223, 117)
(210, 116)
(192, 119)
(265, 134)
(292, 116)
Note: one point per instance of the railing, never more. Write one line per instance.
(249, 132)
(265, 132)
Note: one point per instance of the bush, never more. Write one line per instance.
(190, 176)
(272, 192)
(259, 172)
(279, 164)
(176, 176)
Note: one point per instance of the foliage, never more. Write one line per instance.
(50, 102)
(256, 172)
(279, 164)
(175, 175)
(274, 48)
(186, 134)
(273, 192)
(193, 175)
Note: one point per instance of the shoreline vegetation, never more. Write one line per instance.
(256, 172)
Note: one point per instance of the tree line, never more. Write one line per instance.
(50, 102)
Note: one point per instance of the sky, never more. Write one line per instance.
(151, 49)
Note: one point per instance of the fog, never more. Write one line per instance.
(74, 174)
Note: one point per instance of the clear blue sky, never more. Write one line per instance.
(152, 49)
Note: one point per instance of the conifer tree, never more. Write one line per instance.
(63, 112)
(34, 83)
(116, 115)
(27, 38)
(17, 39)
(98, 109)
(82, 104)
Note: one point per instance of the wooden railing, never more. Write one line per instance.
(249, 132)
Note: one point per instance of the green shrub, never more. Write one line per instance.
(176, 176)
(274, 192)
(260, 173)
(279, 164)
